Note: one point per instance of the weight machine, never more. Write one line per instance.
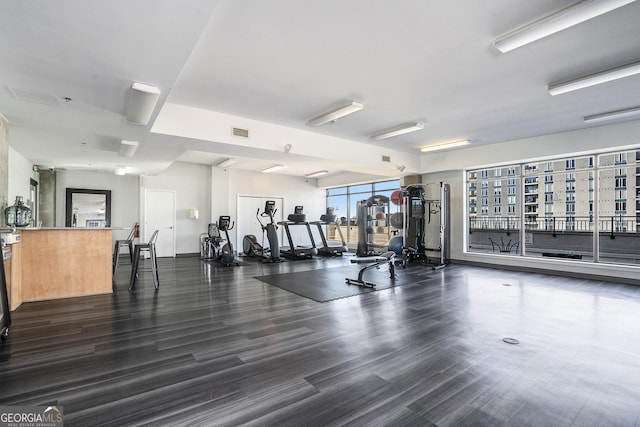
(370, 215)
(424, 219)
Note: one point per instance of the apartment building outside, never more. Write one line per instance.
(556, 196)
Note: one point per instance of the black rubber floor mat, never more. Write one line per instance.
(329, 284)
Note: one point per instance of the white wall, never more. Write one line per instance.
(584, 140)
(20, 174)
(450, 169)
(294, 190)
(124, 196)
(192, 184)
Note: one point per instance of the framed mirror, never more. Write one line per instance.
(88, 208)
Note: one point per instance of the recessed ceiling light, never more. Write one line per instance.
(444, 146)
(316, 174)
(613, 115)
(555, 22)
(272, 168)
(398, 130)
(595, 79)
(335, 113)
(226, 162)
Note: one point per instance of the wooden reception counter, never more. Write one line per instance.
(64, 262)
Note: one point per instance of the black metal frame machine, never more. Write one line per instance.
(421, 213)
(226, 255)
(250, 245)
(338, 248)
(385, 260)
(297, 218)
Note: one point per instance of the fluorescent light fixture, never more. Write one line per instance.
(555, 22)
(613, 115)
(316, 174)
(398, 130)
(595, 79)
(141, 103)
(120, 170)
(272, 168)
(128, 148)
(444, 146)
(226, 162)
(335, 113)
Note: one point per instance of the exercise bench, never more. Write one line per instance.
(378, 261)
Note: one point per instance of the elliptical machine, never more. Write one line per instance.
(250, 245)
(226, 256)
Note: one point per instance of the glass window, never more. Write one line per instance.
(338, 190)
(364, 188)
(386, 185)
(340, 205)
(621, 194)
(344, 200)
(490, 224)
(566, 212)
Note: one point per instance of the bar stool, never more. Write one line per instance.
(126, 243)
(140, 248)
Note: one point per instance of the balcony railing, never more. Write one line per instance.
(613, 224)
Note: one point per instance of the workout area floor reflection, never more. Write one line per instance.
(220, 346)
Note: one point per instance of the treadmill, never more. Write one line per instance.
(296, 219)
(330, 248)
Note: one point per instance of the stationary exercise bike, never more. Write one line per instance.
(226, 256)
(250, 245)
(213, 247)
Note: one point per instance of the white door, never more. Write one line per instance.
(160, 214)
(247, 222)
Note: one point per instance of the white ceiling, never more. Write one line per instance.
(268, 66)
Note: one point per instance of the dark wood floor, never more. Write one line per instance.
(215, 346)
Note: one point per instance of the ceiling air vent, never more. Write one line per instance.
(243, 133)
(386, 159)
